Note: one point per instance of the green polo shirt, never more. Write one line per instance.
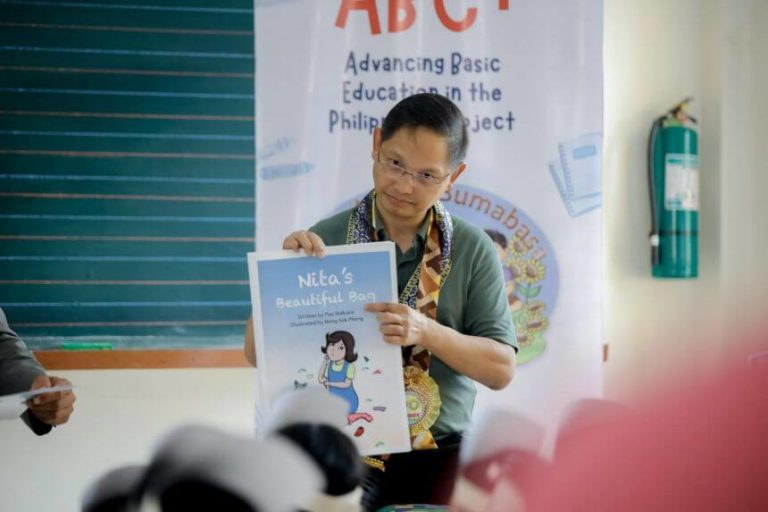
(472, 301)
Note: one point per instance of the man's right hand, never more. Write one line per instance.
(52, 408)
(311, 243)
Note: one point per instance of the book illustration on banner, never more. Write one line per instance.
(577, 174)
(311, 331)
(527, 259)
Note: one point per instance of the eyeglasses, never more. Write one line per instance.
(420, 178)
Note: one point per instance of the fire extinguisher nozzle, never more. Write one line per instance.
(655, 249)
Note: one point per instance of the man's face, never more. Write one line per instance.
(419, 150)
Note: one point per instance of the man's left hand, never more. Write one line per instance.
(400, 324)
(52, 408)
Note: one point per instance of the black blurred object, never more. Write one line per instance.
(417, 477)
(333, 451)
(116, 491)
(193, 493)
(202, 468)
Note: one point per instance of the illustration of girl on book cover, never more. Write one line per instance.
(337, 371)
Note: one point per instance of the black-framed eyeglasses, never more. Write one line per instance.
(425, 179)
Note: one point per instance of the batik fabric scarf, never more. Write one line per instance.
(421, 293)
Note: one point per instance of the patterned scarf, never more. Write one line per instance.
(422, 293)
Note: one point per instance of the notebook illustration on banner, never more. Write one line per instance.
(577, 175)
(574, 206)
(581, 158)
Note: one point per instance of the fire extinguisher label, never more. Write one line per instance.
(681, 182)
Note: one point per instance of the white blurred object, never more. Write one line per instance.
(311, 405)
(12, 406)
(271, 475)
(496, 430)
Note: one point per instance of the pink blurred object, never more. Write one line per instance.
(758, 359)
(500, 448)
(700, 447)
(585, 415)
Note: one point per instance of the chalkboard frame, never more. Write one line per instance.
(145, 359)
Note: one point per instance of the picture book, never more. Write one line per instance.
(310, 329)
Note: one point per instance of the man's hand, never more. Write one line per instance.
(311, 243)
(400, 324)
(51, 408)
(484, 360)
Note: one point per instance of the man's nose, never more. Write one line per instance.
(404, 183)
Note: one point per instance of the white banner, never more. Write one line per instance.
(528, 77)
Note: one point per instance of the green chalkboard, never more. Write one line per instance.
(126, 172)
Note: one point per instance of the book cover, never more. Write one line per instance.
(310, 329)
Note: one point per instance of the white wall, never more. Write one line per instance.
(744, 179)
(656, 53)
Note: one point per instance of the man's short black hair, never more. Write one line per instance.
(434, 112)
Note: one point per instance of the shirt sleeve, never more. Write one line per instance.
(351, 371)
(37, 426)
(18, 366)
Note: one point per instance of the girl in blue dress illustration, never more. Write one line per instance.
(338, 371)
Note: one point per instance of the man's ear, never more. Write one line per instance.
(376, 143)
(455, 175)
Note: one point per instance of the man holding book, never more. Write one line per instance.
(452, 319)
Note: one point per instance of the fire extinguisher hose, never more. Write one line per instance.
(655, 214)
